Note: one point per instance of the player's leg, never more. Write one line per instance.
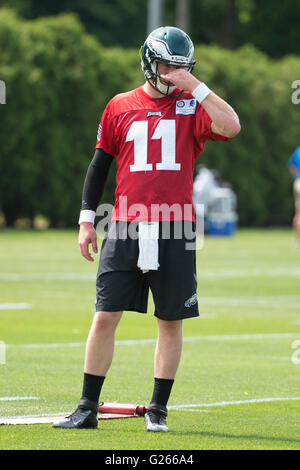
(296, 220)
(100, 343)
(98, 358)
(174, 288)
(296, 223)
(168, 348)
(166, 361)
(120, 285)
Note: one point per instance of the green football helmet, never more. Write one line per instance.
(169, 45)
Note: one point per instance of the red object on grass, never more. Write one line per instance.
(120, 410)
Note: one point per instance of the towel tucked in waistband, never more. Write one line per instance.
(148, 246)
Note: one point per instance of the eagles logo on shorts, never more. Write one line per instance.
(191, 301)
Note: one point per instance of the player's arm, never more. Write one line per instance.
(92, 192)
(225, 121)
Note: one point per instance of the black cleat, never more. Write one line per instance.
(155, 418)
(85, 416)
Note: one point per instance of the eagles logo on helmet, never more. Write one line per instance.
(169, 45)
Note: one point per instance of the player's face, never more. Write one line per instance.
(163, 69)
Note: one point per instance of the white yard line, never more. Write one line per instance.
(228, 403)
(279, 358)
(14, 306)
(286, 271)
(193, 407)
(44, 346)
(238, 273)
(253, 301)
(130, 342)
(261, 301)
(48, 277)
(193, 410)
(35, 420)
(238, 337)
(18, 398)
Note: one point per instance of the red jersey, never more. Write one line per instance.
(156, 142)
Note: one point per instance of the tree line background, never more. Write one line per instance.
(62, 61)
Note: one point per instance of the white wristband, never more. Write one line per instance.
(201, 92)
(87, 216)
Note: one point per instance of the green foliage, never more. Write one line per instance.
(58, 81)
(110, 21)
(270, 25)
(255, 162)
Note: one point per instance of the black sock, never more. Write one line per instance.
(92, 385)
(162, 390)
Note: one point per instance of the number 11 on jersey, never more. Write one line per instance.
(166, 131)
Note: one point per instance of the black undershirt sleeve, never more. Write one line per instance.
(95, 179)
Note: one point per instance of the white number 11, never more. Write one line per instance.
(166, 131)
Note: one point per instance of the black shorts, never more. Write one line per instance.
(122, 285)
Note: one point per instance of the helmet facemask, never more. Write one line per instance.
(156, 82)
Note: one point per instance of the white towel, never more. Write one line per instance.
(148, 246)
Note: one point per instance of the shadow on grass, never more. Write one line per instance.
(232, 436)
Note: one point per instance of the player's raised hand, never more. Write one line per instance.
(180, 78)
(87, 235)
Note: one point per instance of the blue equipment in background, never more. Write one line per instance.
(216, 201)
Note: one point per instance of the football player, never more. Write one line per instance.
(294, 167)
(156, 132)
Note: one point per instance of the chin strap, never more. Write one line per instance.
(164, 96)
(171, 96)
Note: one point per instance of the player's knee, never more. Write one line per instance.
(170, 328)
(105, 321)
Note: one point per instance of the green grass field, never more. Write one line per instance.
(237, 380)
